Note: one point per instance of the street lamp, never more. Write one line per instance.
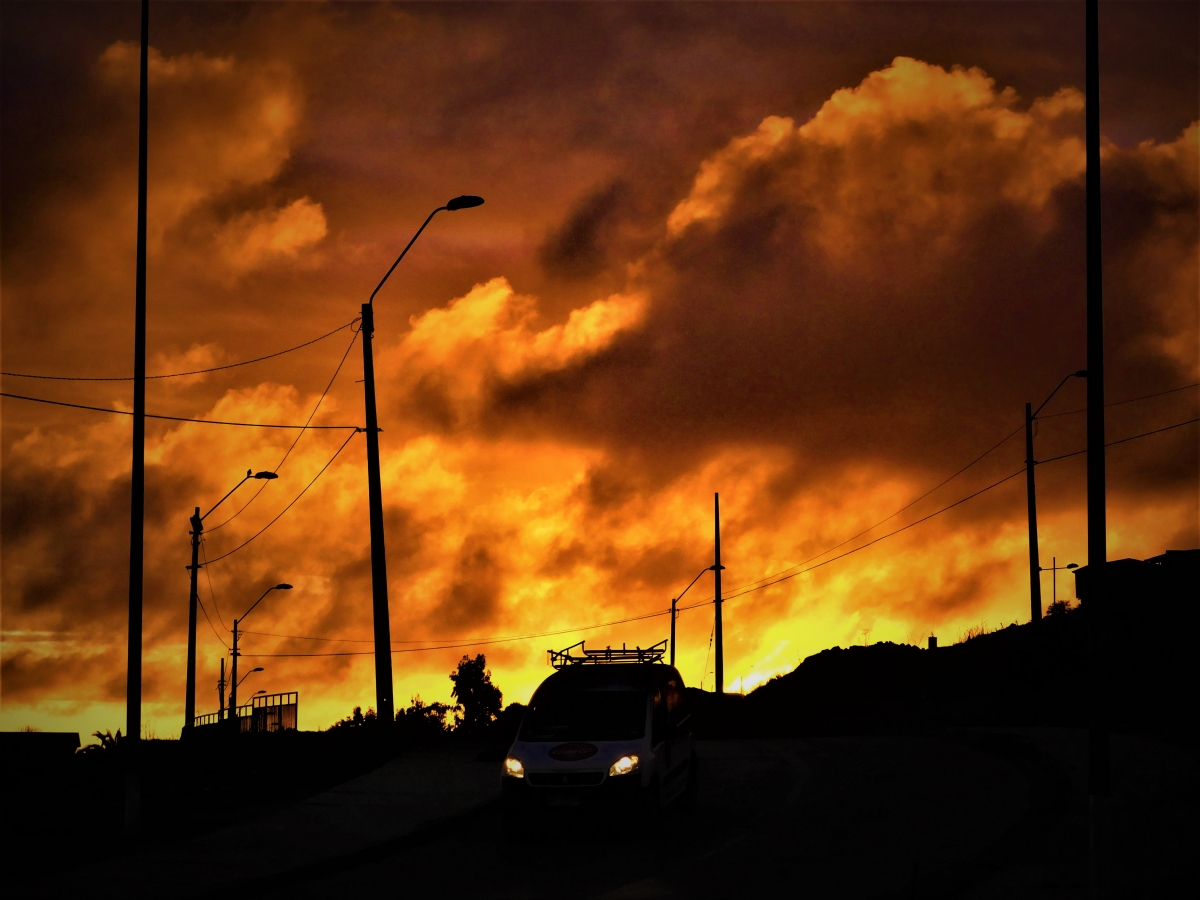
(189, 703)
(379, 588)
(233, 715)
(1035, 581)
(1056, 568)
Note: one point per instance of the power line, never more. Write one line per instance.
(1072, 412)
(121, 412)
(465, 642)
(194, 372)
(667, 612)
(969, 465)
(866, 545)
(892, 516)
(1121, 441)
(211, 592)
(279, 465)
(942, 510)
(289, 506)
(210, 624)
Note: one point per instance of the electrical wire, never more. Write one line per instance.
(122, 412)
(738, 593)
(1072, 412)
(279, 465)
(210, 624)
(882, 537)
(211, 592)
(464, 642)
(1121, 441)
(194, 372)
(289, 506)
(942, 510)
(881, 521)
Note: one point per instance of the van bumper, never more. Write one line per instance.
(612, 792)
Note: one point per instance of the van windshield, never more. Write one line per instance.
(586, 716)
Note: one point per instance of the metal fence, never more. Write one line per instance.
(266, 712)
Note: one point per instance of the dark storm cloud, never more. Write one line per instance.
(578, 248)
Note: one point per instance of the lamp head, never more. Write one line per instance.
(283, 587)
(466, 201)
(1072, 565)
(256, 693)
(1082, 373)
(257, 669)
(265, 476)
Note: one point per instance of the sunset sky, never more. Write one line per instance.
(813, 256)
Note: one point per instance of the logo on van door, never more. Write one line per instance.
(572, 752)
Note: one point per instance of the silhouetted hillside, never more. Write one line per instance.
(1032, 674)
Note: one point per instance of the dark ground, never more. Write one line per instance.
(66, 812)
(964, 813)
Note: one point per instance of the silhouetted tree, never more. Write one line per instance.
(1058, 608)
(108, 741)
(479, 700)
(422, 721)
(357, 719)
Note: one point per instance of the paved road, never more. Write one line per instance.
(977, 814)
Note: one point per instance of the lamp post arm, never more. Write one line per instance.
(1078, 374)
(256, 602)
(694, 580)
(227, 496)
(401, 256)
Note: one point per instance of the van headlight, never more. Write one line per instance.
(624, 765)
(514, 768)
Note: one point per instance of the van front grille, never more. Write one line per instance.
(564, 779)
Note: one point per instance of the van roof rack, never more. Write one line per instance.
(562, 659)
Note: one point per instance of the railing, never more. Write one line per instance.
(264, 712)
(560, 659)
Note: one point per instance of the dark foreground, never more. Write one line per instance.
(964, 814)
(933, 812)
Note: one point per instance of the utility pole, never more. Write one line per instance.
(379, 586)
(674, 601)
(1035, 566)
(221, 692)
(197, 521)
(1099, 786)
(233, 682)
(717, 568)
(189, 701)
(137, 499)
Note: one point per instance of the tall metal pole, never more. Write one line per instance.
(189, 701)
(1035, 566)
(233, 682)
(137, 500)
(379, 586)
(674, 600)
(221, 692)
(717, 568)
(1097, 528)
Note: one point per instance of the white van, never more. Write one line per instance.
(613, 735)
